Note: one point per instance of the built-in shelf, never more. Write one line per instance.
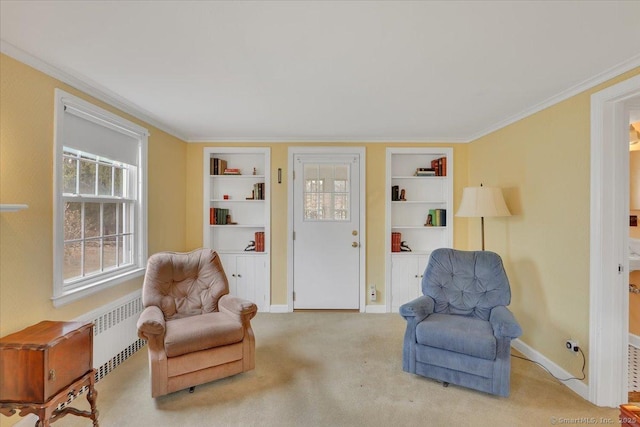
(12, 208)
(424, 196)
(246, 221)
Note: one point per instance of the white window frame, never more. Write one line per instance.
(95, 283)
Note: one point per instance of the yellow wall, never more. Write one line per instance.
(26, 170)
(375, 205)
(543, 163)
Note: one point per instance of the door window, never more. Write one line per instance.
(326, 192)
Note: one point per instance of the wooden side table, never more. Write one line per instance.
(43, 366)
(630, 415)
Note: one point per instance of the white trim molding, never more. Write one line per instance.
(604, 76)
(609, 296)
(579, 387)
(377, 309)
(87, 86)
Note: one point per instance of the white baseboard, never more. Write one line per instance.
(379, 308)
(279, 308)
(577, 386)
(634, 340)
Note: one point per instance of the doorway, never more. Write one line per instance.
(609, 262)
(326, 250)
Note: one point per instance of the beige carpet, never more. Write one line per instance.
(334, 369)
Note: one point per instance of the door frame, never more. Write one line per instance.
(609, 296)
(358, 151)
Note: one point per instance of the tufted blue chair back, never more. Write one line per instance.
(468, 283)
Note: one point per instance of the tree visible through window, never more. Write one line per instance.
(97, 214)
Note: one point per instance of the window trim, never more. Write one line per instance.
(104, 281)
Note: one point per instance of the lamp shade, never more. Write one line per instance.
(482, 202)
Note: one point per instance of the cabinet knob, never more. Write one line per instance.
(233, 275)
(354, 244)
(416, 276)
(239, 275)
(52, 375)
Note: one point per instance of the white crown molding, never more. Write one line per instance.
(92, 88)
(307, 140)
(589, 83)
(87, 86)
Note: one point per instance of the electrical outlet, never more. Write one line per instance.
(373, 295)
(572, 346)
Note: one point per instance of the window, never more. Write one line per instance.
(326, 192)
(99, 212)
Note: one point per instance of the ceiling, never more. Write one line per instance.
(327, 70)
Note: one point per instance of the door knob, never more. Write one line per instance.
(354, 244)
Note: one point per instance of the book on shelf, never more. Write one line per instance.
(231, 171)
(438, 217)
(217, 166)
(396, 239)
(259, 239)
(218, 216)
(258, 191)
(439, 166)
(425, 172)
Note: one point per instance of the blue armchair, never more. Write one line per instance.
(460, 330)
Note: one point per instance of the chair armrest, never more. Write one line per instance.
(503, 322)
(151, 323)
(240, 308)
(419, 308)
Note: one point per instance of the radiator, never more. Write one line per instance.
(115, 336)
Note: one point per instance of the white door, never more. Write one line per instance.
(326, 221)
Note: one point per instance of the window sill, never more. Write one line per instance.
(95, 287)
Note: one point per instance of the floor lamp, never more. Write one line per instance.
(482, 202)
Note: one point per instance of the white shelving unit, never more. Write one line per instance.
(422, 194)
(248, 272)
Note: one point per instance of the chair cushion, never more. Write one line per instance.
(184, 284)
(461, 334)
(201, 332)
(466, 282)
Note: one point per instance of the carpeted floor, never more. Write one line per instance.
(335, 369)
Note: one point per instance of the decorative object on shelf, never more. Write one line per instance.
(12, 208)
(226, 197)
(229, 221)
(482, 202)
(633, 220)
(395, 193)
(254, 171)
(404, 247)
(425, 172)
(251, 246)
(429, 222)
(402, 196)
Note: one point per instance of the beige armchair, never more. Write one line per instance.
(196, 332)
